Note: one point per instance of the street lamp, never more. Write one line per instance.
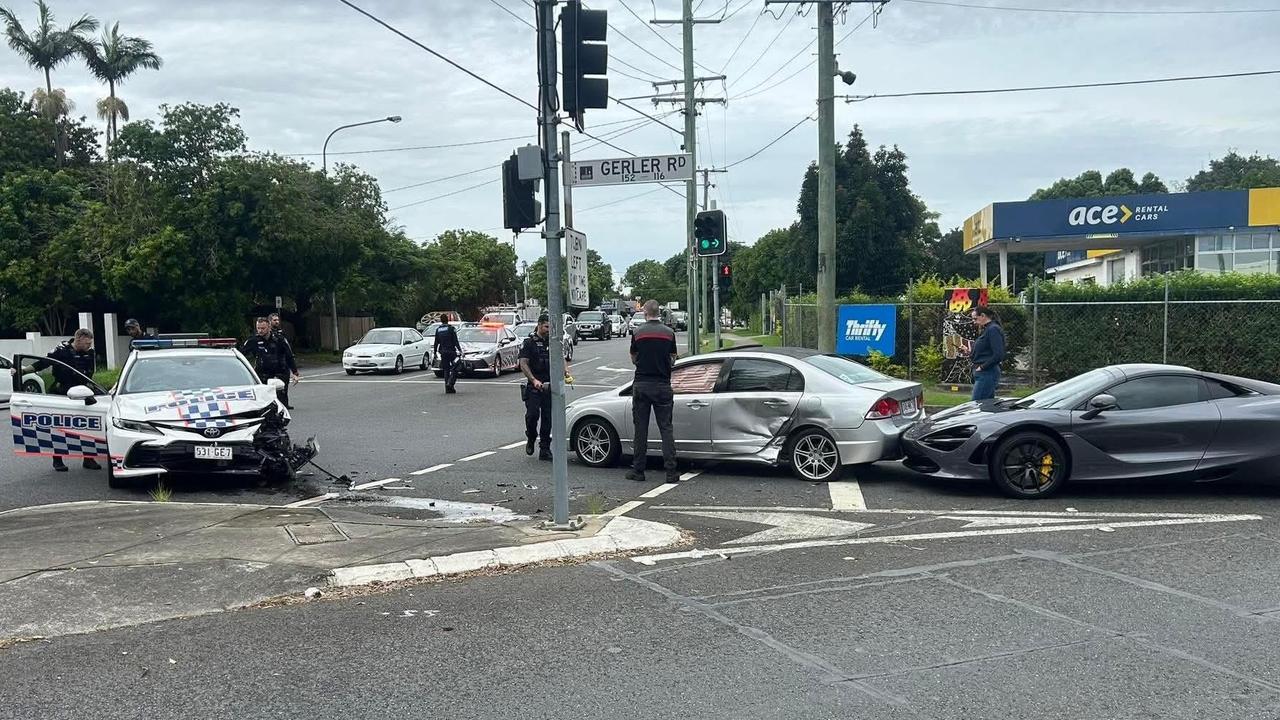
(324, 168)
(324, 153)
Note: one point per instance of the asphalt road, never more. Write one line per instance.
(887, 595)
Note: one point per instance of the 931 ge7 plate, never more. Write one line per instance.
(210, 452)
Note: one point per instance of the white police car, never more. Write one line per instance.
(180, 406)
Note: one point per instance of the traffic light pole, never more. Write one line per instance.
(691, 187)
(552, 233)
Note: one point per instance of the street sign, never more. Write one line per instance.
(631, 170)
(576, 254)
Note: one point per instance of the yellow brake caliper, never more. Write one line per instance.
(1046, 468)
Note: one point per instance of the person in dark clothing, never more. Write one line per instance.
(76, 363)
(134, 330)
(277, 332)
(535, 363)
(653, 352)
(988, 353)
(448, 349)
(272, 358)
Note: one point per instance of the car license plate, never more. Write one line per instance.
(210, 452)
(909, 407)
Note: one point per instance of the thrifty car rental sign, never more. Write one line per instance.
(632, 170)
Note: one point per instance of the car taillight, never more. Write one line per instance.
(884, 408)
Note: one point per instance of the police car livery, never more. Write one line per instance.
(180, 406)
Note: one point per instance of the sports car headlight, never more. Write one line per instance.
(950, 438)
(135, 426)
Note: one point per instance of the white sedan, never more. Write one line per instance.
(180, 406)
(388, 350)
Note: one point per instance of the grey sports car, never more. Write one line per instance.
(1115, 423)
(780, 406)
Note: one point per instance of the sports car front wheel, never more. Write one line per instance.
(1029, 465)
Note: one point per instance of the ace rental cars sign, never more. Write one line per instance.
(631, 170)
(860, 329)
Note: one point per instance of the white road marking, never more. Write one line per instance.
(846, 495)
(670, 486)
(624, 508)
(312, 501)
(477, 456)
(584, 362)
(431, 469)
(606, 368)
(335, 372)
(374, 483)
(513, 445)
(1167, 520)
(786, 526)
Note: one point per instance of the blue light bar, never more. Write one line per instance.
(166, 343)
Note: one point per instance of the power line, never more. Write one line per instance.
(413, 147)
(767, 47)
(659, 35)
(771, 143)
(393, 29)
(734, 54)
(432, 182)
(753, 92)
(1074, 11)
(579, 211)
(441, 197)
(738, 9)
(508, 11)
(860, 98)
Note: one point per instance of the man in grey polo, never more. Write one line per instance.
(653, 352)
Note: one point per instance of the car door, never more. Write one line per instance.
(56, 425)
(693, 388)
(1161, 424)
(416, 347)
(8, 382)
(757, 399)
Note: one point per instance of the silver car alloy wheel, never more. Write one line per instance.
(594, 444)
(815, 456)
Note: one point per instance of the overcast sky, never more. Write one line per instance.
(298, 68)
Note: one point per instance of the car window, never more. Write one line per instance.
(590, 316)
(844, 369)
(412, 336)
(164, 374)
(752, 375)
(695, 378)
(4, 363)
(1054, 396)
(1221, 391)
(478, 335)
(1155, 392)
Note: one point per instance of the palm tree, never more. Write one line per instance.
(111, 59)
(45, 48)
(51, 105)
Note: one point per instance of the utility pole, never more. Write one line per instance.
(693, 276)
(826, 168)
(552, 233)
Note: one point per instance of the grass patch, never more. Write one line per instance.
(596, 504)
(313, 358)
(107, 378)
(710, 344)
(944, 396)
(161, 493)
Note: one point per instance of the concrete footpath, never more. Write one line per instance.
(82, 567)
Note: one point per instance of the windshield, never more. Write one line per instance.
(478, 335)
(590, 316)
(846, 370)
(1055, 395)
(381, 337)
(161, 374)
(504, 318)
(431, 329)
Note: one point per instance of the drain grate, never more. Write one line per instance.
(315, 533)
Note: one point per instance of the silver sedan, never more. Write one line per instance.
(775, 406)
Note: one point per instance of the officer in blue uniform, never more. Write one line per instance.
(535, 363)
(448, 349)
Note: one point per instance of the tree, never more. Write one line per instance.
(599, 280)
(46, 46)
(111, 59)
(474, 270)
(650, 280)
(1234, 171)
(1091, 184)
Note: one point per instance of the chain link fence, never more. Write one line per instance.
(1051, 341)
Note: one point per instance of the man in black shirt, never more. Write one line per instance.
(76, 362)
(448, 349)
(272, 358)
(535, 363)
(653, 352)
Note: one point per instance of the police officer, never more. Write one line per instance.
(75, 362)
(535, 363)
(272, 358)
(134, 330)
(448, 349)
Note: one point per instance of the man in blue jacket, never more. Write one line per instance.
(988, 353)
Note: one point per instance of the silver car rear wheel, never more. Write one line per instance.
(814, 456)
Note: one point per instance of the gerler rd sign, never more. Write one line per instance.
(630, 170)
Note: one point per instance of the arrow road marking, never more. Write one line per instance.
(846, 496)
(786, 526)
(980, 524)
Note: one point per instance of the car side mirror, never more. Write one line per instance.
(82, 393)
(275, 384)
(1098, 404)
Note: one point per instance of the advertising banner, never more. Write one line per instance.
(863, 328)
(1121, 214)
(959, 332)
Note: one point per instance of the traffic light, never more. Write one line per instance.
(584, 53)
(709, 236)
(725, 276)
(520, 209)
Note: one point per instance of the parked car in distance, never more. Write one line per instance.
(434, 317)
(388, 350)
(617, 325)
(679, 320)
(636, 321)
(510, 319)
(487, 348)
(594, 325)
(525, 329)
